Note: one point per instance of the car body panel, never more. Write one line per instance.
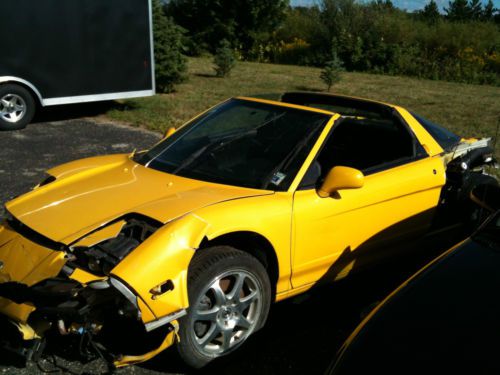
(430, 145)
(287, 105)
(448, 307)
(337, 226)
(128, 360)
(100, 235)
(28, 263)
(312, 155)
(96, 196)
(167, 253)
(226, 218)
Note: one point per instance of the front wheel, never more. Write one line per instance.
(229, 296)
(17, 107)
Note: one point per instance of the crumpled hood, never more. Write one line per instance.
(92, 192)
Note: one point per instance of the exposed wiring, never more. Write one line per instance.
(86, 342)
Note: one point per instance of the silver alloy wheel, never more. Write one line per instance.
(227, 312)
(12, 108)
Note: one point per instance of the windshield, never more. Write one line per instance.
(446, 139)
(241, 143)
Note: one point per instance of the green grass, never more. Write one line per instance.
(468, 110)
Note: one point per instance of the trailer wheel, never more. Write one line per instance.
(17, 107)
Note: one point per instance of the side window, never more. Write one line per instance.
(369, 145)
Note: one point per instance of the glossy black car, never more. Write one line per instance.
(445, 319)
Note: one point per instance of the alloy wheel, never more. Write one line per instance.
(226, 312)
(12, 108)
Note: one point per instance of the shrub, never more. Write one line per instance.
(375, 37)
(331, 72)
(224, 59)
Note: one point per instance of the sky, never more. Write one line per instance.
(403, 4)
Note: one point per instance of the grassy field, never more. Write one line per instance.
(469, 110)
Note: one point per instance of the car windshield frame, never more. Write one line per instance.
(241, 142)
(444, 137)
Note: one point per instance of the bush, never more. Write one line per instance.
(375, 37)
(170, 63)
(331, 72)
(224, 59)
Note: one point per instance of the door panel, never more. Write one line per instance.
(332, 232)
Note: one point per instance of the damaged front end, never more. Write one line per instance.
(468, 165)
(89, 289)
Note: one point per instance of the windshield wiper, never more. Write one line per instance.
(195, 156)
(220, 143)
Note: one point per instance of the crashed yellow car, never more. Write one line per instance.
(252, 202)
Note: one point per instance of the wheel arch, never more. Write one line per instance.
(252, 243)
(25, 84)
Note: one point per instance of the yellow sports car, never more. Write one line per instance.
(252, 202)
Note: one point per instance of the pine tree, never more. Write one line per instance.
(331, 72)
(458, 10)
(430, 13)
(224, 59)
(476, 9)
(239, 21)
(489, 11)
(169, 62)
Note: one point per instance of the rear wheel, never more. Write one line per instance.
(17, 107)
(229, 296)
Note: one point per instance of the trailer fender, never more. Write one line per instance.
(11, 79)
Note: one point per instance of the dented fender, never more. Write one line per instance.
(164, 260)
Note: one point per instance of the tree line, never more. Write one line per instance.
(461, 44)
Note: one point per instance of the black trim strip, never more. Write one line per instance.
(33, 235)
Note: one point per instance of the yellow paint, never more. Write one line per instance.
(319, 143)
(27, 263)
(132, 360)
(84, 277)
(6, 233)
(308, 234)
(169, 132)
(164, 256)
(286, 105)
(469, 140)
(341, 178)
(27, 332)
(146, 313)
(85, 201)
(108, 232)
(268, 216)
(325, 228)
(431, 146)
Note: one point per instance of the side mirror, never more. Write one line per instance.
(169, 132)
(340, 178)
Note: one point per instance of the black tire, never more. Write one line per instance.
(16, 120)
(223, 266)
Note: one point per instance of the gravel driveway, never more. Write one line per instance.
(302, 335)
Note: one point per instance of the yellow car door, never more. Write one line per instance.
(402, 185)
